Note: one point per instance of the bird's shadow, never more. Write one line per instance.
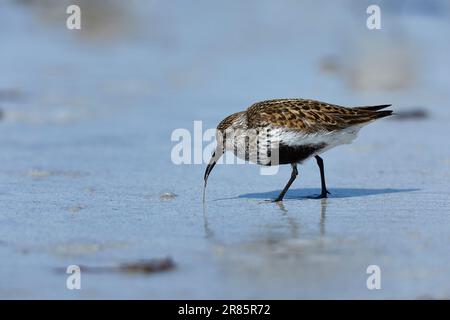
(337, 193)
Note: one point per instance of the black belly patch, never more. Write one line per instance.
(293, 154)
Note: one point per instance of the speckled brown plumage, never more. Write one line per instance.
(225, 123)
(289, 131)
(309, 115)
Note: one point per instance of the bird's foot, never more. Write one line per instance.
(323, 195)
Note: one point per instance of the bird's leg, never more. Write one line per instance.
(286, 188)
(324, 192)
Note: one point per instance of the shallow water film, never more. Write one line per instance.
(89, 186)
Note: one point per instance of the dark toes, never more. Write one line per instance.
(320, 196)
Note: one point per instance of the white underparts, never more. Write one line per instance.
(252, 144)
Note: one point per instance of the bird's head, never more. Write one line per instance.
(224, 126)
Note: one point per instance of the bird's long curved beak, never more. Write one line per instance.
(209, 167)
(214, 158)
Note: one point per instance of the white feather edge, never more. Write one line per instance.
(330, 138)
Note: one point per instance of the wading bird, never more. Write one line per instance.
(289, 131)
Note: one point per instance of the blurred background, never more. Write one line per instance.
(86, 177)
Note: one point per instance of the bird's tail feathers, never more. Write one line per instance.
(373, 108)
(382, 114)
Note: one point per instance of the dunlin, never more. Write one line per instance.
(289, 131)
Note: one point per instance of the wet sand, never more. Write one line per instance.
(87, 179)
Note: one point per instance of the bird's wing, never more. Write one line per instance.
(309, 116)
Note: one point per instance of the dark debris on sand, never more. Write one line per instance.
(146, 266)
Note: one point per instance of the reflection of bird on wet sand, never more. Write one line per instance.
(323, 212)
(208, 232)
(292, 223)
(289, 131)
